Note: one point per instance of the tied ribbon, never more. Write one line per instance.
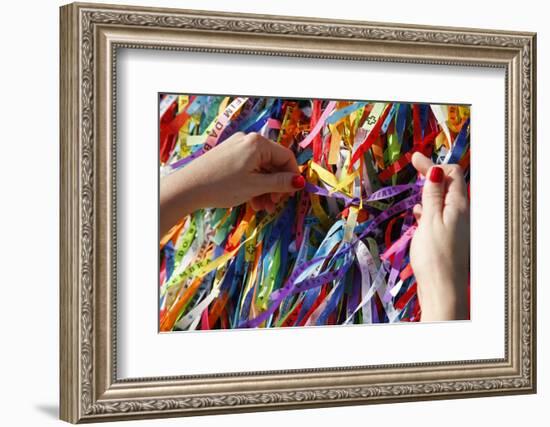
(334, 252)
(318, 126)
(370, 138)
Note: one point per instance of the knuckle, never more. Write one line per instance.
(431, 193)
(432, 200)
(280, 180)
(251, 137)
(249, 142)
(235, 138)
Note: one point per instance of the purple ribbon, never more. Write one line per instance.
(185, 160)
(311, 188)
(388, 192)
(292, 287)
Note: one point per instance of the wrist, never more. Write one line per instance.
(443, 301)
(180, 195)
(434, 310)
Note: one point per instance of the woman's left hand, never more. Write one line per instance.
(245, 167)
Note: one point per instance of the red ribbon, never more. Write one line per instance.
(169, 130)
(406, 297)
(372, 136)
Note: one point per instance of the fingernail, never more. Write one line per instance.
(436, 174)
(298, 181)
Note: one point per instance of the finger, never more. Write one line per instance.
(276, 197)
(456, 198)
(433, 192)
(421, 163)
(279, 182)
(457, 192)
(269, 206)
(274, 155)
(256, 203)
(237, 136)
(417, 212)
(263, 202)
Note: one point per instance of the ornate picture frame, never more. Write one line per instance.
(90, 37)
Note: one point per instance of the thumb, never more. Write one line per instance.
(280, 182)
(433, 193)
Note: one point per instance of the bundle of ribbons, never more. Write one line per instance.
(336, 252)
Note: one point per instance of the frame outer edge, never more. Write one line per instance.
(309, 19)
(533, 207)
(69, 355)
(77, 253)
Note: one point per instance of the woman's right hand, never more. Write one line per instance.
(440, 247)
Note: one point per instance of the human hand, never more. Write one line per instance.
(244, 168)
(441, 243)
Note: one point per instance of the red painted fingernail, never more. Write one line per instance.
(298, 181)
(436, 174)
